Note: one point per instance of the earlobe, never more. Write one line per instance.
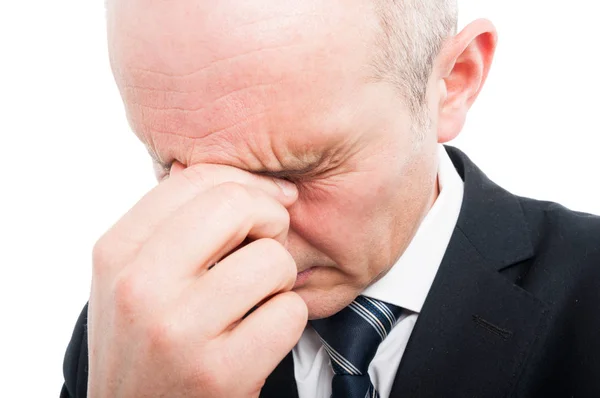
(465, 62)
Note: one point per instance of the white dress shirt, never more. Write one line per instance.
(405, 285)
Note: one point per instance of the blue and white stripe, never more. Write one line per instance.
(351, 338)
(384, 310)
(369, 317)
(340, 360)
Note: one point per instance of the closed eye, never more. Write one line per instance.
(291, 175)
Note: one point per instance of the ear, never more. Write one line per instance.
(463, 66)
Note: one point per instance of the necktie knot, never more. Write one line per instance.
(351, 338)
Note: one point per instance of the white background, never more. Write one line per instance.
(71, 167)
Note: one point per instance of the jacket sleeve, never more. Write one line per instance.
(75, 365)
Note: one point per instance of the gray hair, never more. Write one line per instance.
(412, 35)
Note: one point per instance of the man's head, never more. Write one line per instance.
(347, 99)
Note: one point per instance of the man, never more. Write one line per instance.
(310, 237)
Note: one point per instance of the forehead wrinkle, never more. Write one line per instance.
(193, 148)
(165, 100)
(228, 86)
(192, 151)
(145, 75)
(225, 95)
(233, 113)
(173, 122)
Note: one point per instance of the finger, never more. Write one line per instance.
(239, 282)
(210, 175)
(273, 330)
(207, 228)
(160, 203)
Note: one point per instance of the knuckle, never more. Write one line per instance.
(164, 336)
(295, 310)
(236, 200)
(269, 247)
(234, 193)
(129, 294)
(198, 177)
(102, 254)
(214, 380)
(290, 313)
(283, 214)
(210, 373)
(279, 259)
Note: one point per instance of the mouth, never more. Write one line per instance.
(303, 276)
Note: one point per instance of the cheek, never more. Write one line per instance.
(339, 218)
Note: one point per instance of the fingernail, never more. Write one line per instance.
(288, 188)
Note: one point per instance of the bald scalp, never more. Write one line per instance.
(412, 34)
(409, 37)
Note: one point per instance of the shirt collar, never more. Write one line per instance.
(408, 282)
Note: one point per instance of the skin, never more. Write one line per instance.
(239, 97)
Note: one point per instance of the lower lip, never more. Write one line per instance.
(303, 276)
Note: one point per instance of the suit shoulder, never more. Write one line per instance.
(564, 274)
(553, 226)
(566, 245)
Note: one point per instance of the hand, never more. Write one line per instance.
(161, 323)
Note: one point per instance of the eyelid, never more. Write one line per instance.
(294, 178)
(292, 175)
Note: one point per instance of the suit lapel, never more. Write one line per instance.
(474, 332)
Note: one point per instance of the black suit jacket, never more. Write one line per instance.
(514, 310)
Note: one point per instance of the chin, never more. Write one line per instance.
(323, 303)
(318, 307)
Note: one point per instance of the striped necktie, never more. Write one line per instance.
(351, 338)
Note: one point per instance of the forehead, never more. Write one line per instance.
(229, 82)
